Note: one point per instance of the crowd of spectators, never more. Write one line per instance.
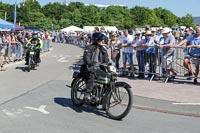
(12, 45)
(151, 47)
(147, 49)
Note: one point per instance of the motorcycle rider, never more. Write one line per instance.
(94, 55)
(34, 40)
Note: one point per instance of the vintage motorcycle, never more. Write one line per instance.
(32, 63)
(115, 97)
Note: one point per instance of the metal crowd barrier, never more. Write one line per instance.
(75, 40)
(152, 64)
(155, 59)
(46, 45)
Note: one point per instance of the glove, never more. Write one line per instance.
(109, 64)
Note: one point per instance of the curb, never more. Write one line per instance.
(163, 106)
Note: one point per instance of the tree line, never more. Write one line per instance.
(59, 15)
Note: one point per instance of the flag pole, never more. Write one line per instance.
(15, 13)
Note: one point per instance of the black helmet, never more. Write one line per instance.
(98, 36)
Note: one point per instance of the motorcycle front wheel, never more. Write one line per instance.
(119, 102)
(77, 94)
(29, 64)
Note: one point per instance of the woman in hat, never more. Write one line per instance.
(115, 50)
(149, 43)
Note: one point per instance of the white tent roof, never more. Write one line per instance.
(107, 28)
(71, 29)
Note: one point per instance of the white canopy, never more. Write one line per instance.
(107, 28)
(71, 29)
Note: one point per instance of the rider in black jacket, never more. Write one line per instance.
(94, 55)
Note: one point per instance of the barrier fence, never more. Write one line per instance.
(10, 53)
(156, 65)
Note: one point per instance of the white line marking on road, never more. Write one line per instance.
(16, 114)
(40, 109)
(63, 60)
(186, 103)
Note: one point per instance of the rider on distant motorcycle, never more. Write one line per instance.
(94, 55)
(34, 40)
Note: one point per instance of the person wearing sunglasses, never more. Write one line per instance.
(149, 45)
(194, 51)
(187, 59)
(167, 53)
(140, 54)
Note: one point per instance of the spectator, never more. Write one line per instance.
(19, 47)
(177, 35)
(140, 54)
(159, 33)
(148, 42)
(194, 45)
(187, 63)
(8, 48)
(96, 29)
(13, 41)
(167, 51)
(126, 44)
(156, 41)
(115, 51)
(54, 36)
(2, 51)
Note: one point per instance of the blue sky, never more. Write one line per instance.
(178, 7)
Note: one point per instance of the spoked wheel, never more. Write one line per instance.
(29, 64)
(77, 91)
(119, 102)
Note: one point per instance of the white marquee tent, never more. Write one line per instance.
(71, 29)
(107, 28)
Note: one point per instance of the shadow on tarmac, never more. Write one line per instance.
(24, 69)
(66, 102)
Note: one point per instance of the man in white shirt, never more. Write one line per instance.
(127, 54)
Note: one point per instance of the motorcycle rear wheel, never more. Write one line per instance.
(77, 94)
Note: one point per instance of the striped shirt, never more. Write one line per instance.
(138, 45)
(127, 40)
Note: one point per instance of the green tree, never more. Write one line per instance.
(187, 20)
(76, 18)
(61, 15)
(2, 10)
(115, 16)
(166, 17)
(54, 10)
(142, 16)
(64, 23)
(9, 9)
(29, 12)
(90, 15)
(74, 6)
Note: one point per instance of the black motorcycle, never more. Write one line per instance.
(115, 97)
(32, 63)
